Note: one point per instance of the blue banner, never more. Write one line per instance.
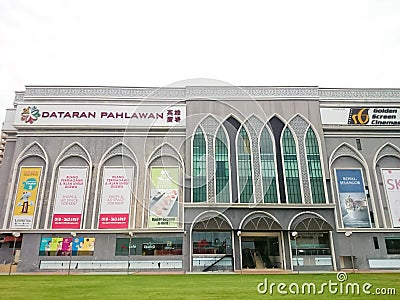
(352, 198)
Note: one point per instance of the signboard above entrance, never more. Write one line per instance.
(122, 116)
(361, 116)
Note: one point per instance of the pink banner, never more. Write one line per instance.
(113, 221)
(66, 221)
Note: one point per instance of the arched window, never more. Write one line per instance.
(244, 167)
(291, 167)
(221, 167)
(314, 167)
(199, 171)
(268, 167)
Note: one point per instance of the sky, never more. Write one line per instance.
(338, 43)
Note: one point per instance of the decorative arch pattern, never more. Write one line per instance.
(254, 127)
(75, 149)
(345, 150)
(165, 150)
(119, 149)
(308, 221)
(34, 149)
(276, 162)
(211, 220)
(210, 125)
(299, 126)
(387, 150)
(260, 221)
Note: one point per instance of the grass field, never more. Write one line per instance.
(208, 286)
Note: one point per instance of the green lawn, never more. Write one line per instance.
(209, 286)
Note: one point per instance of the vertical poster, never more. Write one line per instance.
(352, 198)
(115, 197)
(69, 198)
(26, 197)
(391, 183)
(163, 206)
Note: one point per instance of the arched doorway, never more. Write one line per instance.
(261, 242)
(311, 243)
(211, 243)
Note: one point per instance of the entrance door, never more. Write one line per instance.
(261, 252)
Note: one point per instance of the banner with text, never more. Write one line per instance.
(116, 197)
(380, 116)
(391, 183)
(118, 116)
(164, 202)
(69, 199)
(352, 198)
(26, 197)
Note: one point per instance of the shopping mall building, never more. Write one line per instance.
(201, 178)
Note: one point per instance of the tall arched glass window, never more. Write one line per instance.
(244, 167)
(199, 171)
(221, 167)
(293, 190)
(268, 170)
(314, 167)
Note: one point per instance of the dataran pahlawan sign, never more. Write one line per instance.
(76, 115)
(361, 116)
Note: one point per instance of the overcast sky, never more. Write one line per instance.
(155, 43)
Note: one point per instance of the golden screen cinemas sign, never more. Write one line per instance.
(101, 115)
(361, 116)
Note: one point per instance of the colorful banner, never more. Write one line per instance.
(94, 115)
(116, 197)
(391, 183)
(69, 199)
(378, 116)
(352, 198)
(26, 197)
(164, 202)
(62, 246)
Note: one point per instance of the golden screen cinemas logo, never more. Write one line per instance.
(374, 116)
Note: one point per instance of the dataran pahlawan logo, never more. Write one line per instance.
(30, 114)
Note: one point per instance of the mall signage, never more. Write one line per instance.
(75, 115)
(361, 116)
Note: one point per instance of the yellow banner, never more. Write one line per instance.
(27, 193)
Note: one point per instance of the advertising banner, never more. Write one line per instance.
(352, 198)
(26, 197)
(116, 197)
(112, 116)
(164, 202)
(391, 183)
(62, 246)
(69, 199)
(378, 116)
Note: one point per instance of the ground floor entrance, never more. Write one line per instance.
(261, 251)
